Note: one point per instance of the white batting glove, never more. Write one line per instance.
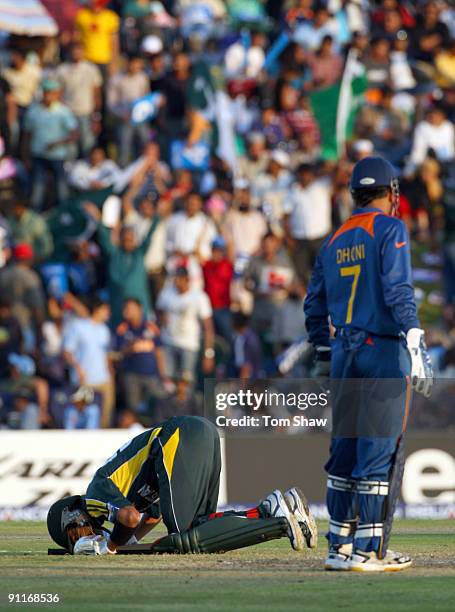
(421, 368)
(92, 545)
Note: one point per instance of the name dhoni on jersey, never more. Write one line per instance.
(351, 254)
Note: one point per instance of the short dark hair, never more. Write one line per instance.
(134, 300)
(240, 319)
(379, 39)
(20, 196)
(75, 44)
(193, 193)
(5, 301)
(363, 197)
(305, 167)
(94, 302)
(21, 52)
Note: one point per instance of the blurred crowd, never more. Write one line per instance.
(165, 188)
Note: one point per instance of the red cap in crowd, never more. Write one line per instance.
(23, 251)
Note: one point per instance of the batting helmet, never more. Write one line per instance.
(67, 513)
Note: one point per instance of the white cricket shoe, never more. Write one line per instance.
(369, 562)
(92, 545)
(299, 507)
(339, 558)
(276, 507)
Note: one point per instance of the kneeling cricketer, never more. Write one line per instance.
(172, 473)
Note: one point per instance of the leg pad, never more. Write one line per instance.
(222, 534)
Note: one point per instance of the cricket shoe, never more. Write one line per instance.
(369, 562)
(339, 558)
(275, 506)
(298, 505)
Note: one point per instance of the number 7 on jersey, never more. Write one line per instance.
(353, 271)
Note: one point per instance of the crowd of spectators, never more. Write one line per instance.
(164, 190)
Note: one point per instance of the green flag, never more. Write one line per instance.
(336, 107)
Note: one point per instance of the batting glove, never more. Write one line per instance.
(421, 368)
(92, 545)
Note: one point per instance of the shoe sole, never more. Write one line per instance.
(297, 540)
(294, 532)
(313, 542)
(334, 568)
(385, 568)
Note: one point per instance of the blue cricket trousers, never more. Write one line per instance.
(370, 406)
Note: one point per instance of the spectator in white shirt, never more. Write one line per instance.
(95, 172)
(308, 219)
(309, 34)
(245, 225)
(434, 133)
(24, 78)
(257, 156)
(189, 235)
(269, 188)
(243, 61)
(182, 313)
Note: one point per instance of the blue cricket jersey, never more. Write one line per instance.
(362, 279)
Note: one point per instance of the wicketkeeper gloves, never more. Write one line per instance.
(421, 368)
(322, 361)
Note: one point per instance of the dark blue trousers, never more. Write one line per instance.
(370, 404)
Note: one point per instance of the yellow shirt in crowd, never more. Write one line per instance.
(96, 31)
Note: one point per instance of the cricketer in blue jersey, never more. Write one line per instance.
(362, 284)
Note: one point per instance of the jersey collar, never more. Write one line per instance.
(366, 209)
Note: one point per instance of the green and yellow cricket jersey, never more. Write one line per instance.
(128, 477)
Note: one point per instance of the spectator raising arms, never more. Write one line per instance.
(127, 277)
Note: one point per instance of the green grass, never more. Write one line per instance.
(270, 576)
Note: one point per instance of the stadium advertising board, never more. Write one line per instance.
(36, 468)
(428, 488)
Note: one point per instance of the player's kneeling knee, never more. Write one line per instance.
(129, 516)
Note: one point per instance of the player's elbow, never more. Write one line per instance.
(129, 516)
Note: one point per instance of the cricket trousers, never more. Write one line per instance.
(371, 397)
(187, 462)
